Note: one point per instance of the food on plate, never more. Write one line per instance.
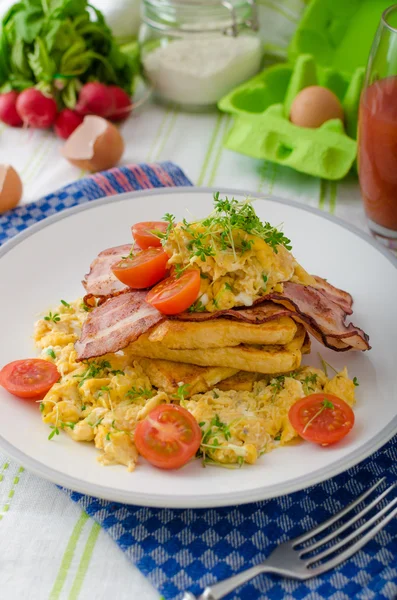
(176, 293)
(314, 105)
(10, 188)
(103, 400)
(321, 418)
(143, 269)
(168, 437)
(167, 375)
(266, 359)
(95, 145)
(222, 332)
(146, 233)
(207, 362)
(29, 378)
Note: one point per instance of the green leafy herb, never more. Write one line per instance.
(182, 392)
(215, 393)
(197, 307)
(355, 381)
(327, 404)
(117, 372)
(85, 307)
(277, 437)
(108, 436)
(203, 275)
(65, 303)
(55, 431)
(264, 277)
(228, 287)
(94, 369)
(51, 353)
(324, 365)
(42, 406)
(309, 382)
(83, 407)
(135, 393)
(216, 427)
(55, 318)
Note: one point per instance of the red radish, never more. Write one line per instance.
(95, 99)
(121, 104)
(66, 122)
(36, 109)
(8, 111)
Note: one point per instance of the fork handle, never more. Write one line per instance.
(221, 589)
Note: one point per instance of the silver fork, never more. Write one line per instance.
(287, 560)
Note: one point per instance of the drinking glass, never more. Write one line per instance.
(377, 133)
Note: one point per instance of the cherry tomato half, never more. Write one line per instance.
(321, 418)
(142, 270)
(168, 437)
(174, 295)
(29, 378)
(144, 236)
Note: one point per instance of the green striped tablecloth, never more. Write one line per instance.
(50, 550)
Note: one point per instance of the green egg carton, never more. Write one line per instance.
(339, 33)
(330, 48)
(262, 128)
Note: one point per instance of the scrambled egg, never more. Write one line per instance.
(232, 276)
(102, 400)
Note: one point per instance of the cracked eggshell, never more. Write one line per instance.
(10, 188)
(95, 145)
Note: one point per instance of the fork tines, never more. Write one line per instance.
(354, 540)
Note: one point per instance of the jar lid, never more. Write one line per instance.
(192, 16)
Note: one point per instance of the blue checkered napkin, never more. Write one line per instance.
(107, 183)
(182, 550)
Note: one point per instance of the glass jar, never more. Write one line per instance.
(194, 52)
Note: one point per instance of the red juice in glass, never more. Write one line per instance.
(377, 154)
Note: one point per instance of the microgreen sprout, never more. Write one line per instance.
(55, 318)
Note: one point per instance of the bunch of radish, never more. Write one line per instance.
(34, 109)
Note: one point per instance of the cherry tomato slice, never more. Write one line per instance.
(174, 295)
(142, 270)
(168, 437)
(29, 378)
(143, 235)
(321, 418)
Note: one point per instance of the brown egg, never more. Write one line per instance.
(10, 188)
(315, 105)
(95, 145)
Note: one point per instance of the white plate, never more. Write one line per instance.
(46, 263)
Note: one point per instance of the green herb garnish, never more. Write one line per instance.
(55, 318)
(51, 353)
(65, 303)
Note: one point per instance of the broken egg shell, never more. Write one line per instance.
(315, 105)
(10, 188)
(95, 145)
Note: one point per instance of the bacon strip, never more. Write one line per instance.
(100, 281)
(322, 317)
(340, 297)
(267, 311)
(115, 324)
